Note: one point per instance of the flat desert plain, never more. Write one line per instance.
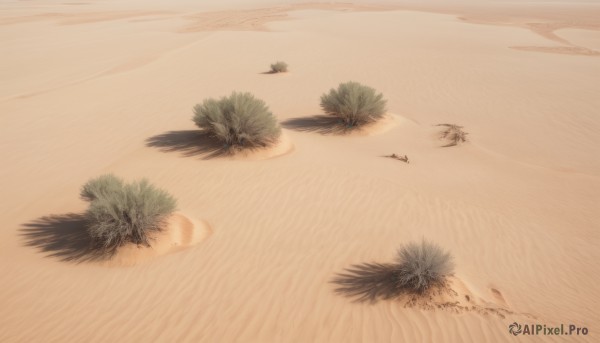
(95, 87)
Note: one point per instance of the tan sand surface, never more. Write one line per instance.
(91, 87)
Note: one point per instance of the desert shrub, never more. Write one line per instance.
(121, 213)
(354, 103)
(417, 269)
(421, 266)
(101, 187)
(279, 67)
(453, 133)
(239, 120)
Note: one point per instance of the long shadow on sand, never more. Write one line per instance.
(323, 124)
(367, 282)
(62, 236)
(189, 143)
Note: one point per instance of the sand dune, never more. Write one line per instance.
(259, 18)
(180, 233)
(113, 92)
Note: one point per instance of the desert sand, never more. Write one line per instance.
(92, 87)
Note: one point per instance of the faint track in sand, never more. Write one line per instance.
(125, 67)
(547, 30)
(79, 18)
(257, 19)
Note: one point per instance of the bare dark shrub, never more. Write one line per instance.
(354, 104)
(418, 268)
(454, 134)
(279, 67)
(122, 213)
(398, 157)
(239, 120)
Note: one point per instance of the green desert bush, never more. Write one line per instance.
(121, 213)
(421, 266)
(354, 103)
(279, 67)
(239, 120)
(418, 268)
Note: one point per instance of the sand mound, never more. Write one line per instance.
(282, 147)
(388, 122)
(456, 297)
(196, 143)
(181, 232)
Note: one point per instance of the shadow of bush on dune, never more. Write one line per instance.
(323, 124)
(189, 143)
(421, 271)
(368, 282)
(64, 237)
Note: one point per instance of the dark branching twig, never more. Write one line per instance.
(399, 158)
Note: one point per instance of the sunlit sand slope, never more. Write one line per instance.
(109, 87)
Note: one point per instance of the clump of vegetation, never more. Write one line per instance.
(279, 67)
(454, 134)
(419, 267)
(239, 120)
(354, 103)
(121, 213)
(422, 266)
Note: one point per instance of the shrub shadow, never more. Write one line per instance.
(189, 143)
(64, 237)
(368, 282)
(323, 124)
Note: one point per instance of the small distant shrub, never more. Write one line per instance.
(421, 266)
(354, 103)
(239, 120)
(279, 67)
(121, 213)
(454, 134)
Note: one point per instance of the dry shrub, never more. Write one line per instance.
(419, 267)
(453, 133)
(279, 67)
(355, 104)
(121, 213)
(239, 120)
